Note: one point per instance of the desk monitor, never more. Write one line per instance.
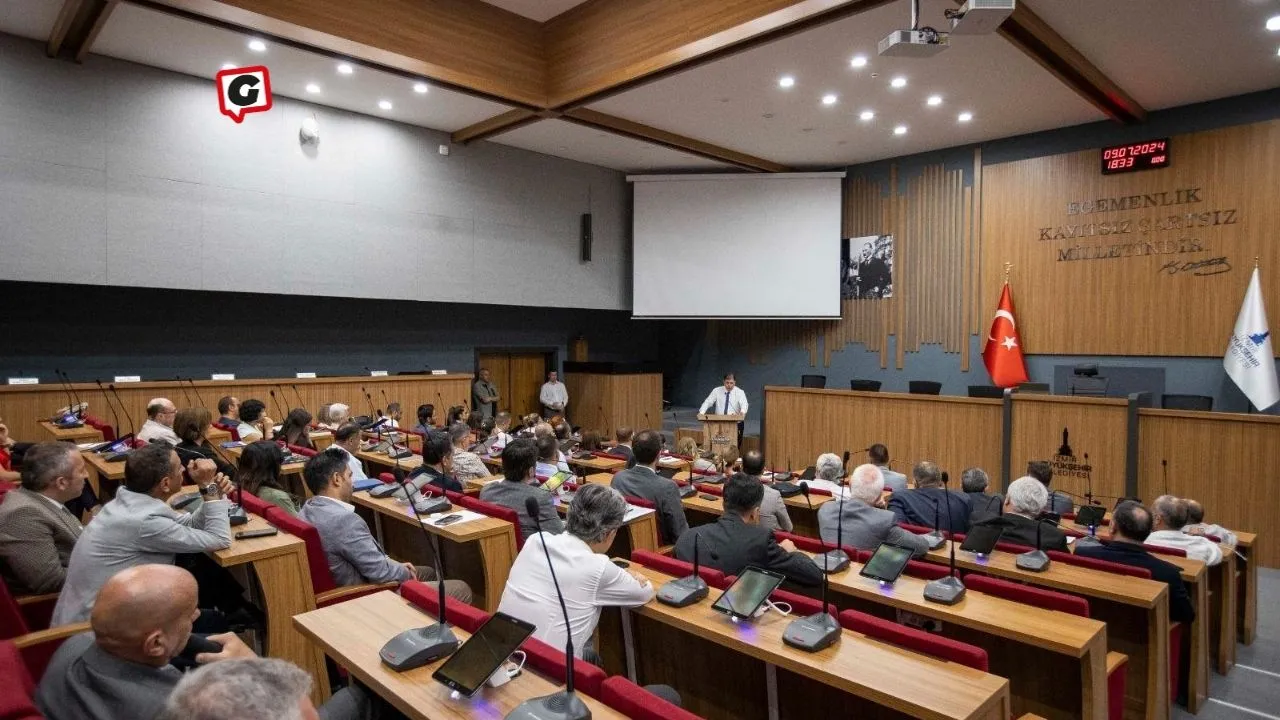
(468, 668)
(744, 597)
(887, 563)
(1090, 515)
(982, 539)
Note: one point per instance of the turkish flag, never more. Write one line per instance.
(1003, 352)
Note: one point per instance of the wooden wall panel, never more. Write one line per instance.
(1227, 461)
(1145, 278)
(23, 406)
(954, 432)
(1094, 425)
(528, 372)
(605, 402)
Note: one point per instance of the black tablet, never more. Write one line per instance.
(887, 563)
(744, 597)
(1091, 515)
(982, 539)
(468, 668)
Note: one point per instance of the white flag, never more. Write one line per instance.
(1250, 361)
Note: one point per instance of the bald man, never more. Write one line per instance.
(159, 424)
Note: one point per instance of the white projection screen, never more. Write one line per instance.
(736, 246)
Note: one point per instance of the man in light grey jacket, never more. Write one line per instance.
(866, 523)
(773, 512)
(893, 481)
(138, 527)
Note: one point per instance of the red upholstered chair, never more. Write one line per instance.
(235, 433)
(820, 491)
(299, 450)
(102, 426)
(925, 570)
(801, 605)
(1161, 550)
(550, 661)
(639, 502)
(20, 615)
(917, 529)
(326, 590)
(637, 703)
(1028, 595)
(913, 639)
(678, 568)
(18, 691)
(717, 490)
(1096, 564)
(252, 503)
(457, 612)
(1013, 547)
(428, 489)
(492, 510)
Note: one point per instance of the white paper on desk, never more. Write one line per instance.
(669, 461)
(88, 445)
(634, 511)
(467, 515)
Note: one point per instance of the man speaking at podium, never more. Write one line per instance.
(727, 399)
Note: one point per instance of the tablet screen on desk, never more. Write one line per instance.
(1090, 515)
(887, 563)
(473, 663)
(745, 596)
(982, 539)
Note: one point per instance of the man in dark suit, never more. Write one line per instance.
(982, 506)
(623, 446)
(929, 501)
(643, 481)
(737, 539)
(38, 532)
(1130, 526)
(1026, 500)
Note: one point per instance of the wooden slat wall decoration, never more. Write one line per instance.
(1152, 299)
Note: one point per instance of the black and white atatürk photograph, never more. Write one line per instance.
(866, 267)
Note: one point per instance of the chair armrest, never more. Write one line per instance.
(61, 632)
(351, 592)
(34, 599)
(668, 550)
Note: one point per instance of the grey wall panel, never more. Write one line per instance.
(52, 222)
(153, 232)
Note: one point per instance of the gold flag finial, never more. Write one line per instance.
(1007, 266)
(1255, 262)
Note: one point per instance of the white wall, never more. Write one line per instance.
(113, 173)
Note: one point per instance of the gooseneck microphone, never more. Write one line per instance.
(133, 431)
(820, 630)
(196, 391)
(279, 405)
(110, 406)
(687, 590)
(950, 589)
(564, 705)
(185, 395)
(79, 408)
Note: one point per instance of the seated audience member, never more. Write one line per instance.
(259, 689)
(322, 416)
(1169, 515)
(426, 419)
(737, 539)
(339, 415)
(549, 462)
(475, 420)
(622, 445)
(643, 481)
(457, 413)
(929, 500)
(591, 442)
(714, 466)
(564, 436)
(1130, 528)
(828, 470)
(865, 522)
(520, 482)
(527, 424)
(1021, 519)
(7, 473)
(138, 527)
(390, 420)
(37, 532)
(482, 435)
(879, 456)
(437, 461)
(192, 427)
(254, 423)
(1197, 526)
(260, 474)
(347, 439)
(354, 556)
(687, 447)
(159, 424)
(296, 429)
(974, 481)
(773, 513)
(501, 434)
(466, 464)
(228, 411)
(587, 577)
(1059, 502)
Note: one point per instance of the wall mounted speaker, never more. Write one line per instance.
(586, 237)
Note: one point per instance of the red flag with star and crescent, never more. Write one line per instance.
(1003, 352)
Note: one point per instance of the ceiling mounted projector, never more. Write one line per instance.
(916, 42)
(980, 17)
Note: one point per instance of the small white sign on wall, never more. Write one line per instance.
(24, 381)
(224, 376)
(306, 376)
(128, 378)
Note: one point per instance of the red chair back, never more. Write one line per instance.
(12, 622)
(457, 612)
(637, 703)
(913, 639)
(678, 568)
(928, 571)
(1162, 550)
(639, 502)
(299, 450)
(821, 491)
(550, 661)
(1096, 564)
(801, 605)
(492, 510)
(321, 578)
(17, 693)
(917, 529)
(717, 490)
(1028, 595)
(102, 426)
(235, 432)
(254, 504)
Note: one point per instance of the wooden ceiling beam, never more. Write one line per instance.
(61, 26)
(98, 14)
(509, 120)
(647, 133)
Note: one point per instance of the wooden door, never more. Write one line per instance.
(528, 372)
(499, 365)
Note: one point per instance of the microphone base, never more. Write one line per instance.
(832, 561)
(936, 540)
(428, 504)
(237, 516)
(385, 490)
(1034, 561)
(683, 592)
(947, 591)
(419, 646)
(688, 490)
(813, 633)
(560, 706)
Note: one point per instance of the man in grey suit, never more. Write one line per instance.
(643, 481)
(863, 518)
(520, 482)
(893, 481)
(353, 555)
(38, 532)
(138, 526)
(773, 512)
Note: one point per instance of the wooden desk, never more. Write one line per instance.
(1055, 662)
(217, 436)
(598, 464)
(100, 472)
(280, 563)
(1135, 610)
(383, 460)
(80, 435)
(743, 670)
(354, 631)
(401, 437)
(479, 551)
(804, 520)
(638, 533)
(1247, 582)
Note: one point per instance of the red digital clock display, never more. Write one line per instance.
(1136, 156)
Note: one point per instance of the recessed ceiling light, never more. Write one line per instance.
(384, 104)
(934, 100)
(900, 130)
(964, 116)
(898, 82)
(228, 66)
(257, 46)
(420, 88)
(786, 81)
(829, 99)
(866, 115)
(1273, 24)
(345, 69)
(858, 61)
(313, 88)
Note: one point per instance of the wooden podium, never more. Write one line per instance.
(719, 431)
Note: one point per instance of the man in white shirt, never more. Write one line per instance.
(1169, 517)
(587, 578)
(554, 396)
(159, 424)
(728, 399)
(1197, 526)
(347, 438)
(828, 474)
